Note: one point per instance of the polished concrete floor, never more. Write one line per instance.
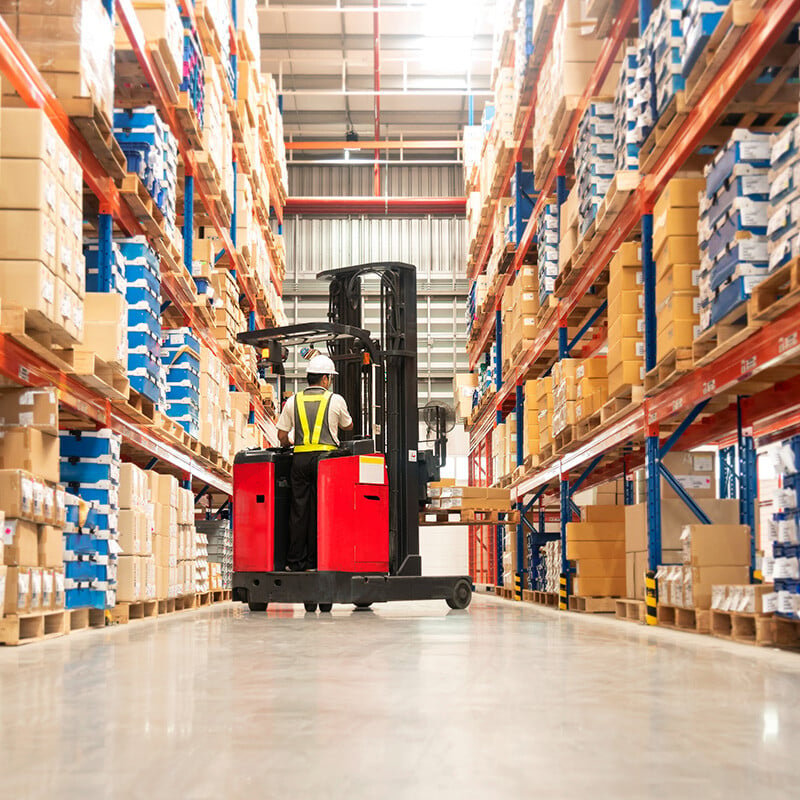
(409, 701)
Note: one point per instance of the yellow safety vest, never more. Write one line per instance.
(311, 439)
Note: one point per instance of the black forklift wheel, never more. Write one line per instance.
(311, 607)
(462, 595)
(257, 606)
(325, 607)
(362, 606)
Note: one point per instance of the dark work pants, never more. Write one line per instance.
(302, 552)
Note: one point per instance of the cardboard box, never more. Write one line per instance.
(696, 472)
(678, 307)
(162, 582)
(21, 541)
(703, 580)
(674, 222)
(16, 493)
(595, 532)
(627, 258)
(578, 550)
(599, 586)
(28, 133)
(675, 514)
(32, 286)
(29, 236)
(134, 491)
(621, 302)
(680, 278)
(603, 513)
(625, 350)
(129, 579)
(601, 567)
(635, 569)
(31, 450)
(167, 491)
(17, 599)
(29, 184)
(676, 334)
(105, 326)
(51, 547)
(37, 408)
(716, 546)
(680, 193)
(625, 373)
(676, 250)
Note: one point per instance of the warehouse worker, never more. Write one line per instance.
(315, 415)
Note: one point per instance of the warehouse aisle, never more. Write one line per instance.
(409, 701)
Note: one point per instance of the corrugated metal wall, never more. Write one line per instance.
(329, 180)
(436, 246)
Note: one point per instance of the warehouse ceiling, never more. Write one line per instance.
(433, 54)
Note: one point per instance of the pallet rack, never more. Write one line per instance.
(745, 390)
(27, 363)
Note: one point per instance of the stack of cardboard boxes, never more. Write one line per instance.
(625, 360)
(597, 546)
(565, 390)
(530, 431)
(186, 542)
(564, 73)
(41, 225)
(164, 496)
(32, 516)
(520, 304)
(446, 495)
(136, 566)
(544, 404)
(696, 473)
(677, 255)
(712, 555)
(71, 43)
(592, 387)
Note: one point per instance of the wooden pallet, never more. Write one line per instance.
(202, 599)
(504, 592)
(187, 120)
(140, 408)
(724, 335)
(546, 453)
(631, 610)
(784, 633)
(98, 131)
(185, 602)
(80, 619)
(674, 364)
(33, 330)
(123, 613)
(549, 599)
(27, 628)
(586, 427)
(109, 380)
(593, 605)
(456, 516)
(694, 620)
(166, 606)
(221, 595)
(566, 439)
(775, 294)
(615, 408)
(740, 627)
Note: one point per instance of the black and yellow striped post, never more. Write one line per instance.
(651, 598)
(563, 593)
(517, 586)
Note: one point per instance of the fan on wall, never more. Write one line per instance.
(439, 420)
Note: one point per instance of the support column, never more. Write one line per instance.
(188, 223)
(520, 411)
(627, 485)
(566, 516)
(105, 251)
(653, 473)
(649, 280)
(748, 477)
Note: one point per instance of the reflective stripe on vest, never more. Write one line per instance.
(311, 440)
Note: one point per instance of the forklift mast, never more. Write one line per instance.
(392, 400)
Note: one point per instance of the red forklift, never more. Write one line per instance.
(370, 491)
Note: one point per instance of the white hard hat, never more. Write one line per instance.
(321, 365)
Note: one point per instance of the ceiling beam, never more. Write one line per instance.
(359, 41)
